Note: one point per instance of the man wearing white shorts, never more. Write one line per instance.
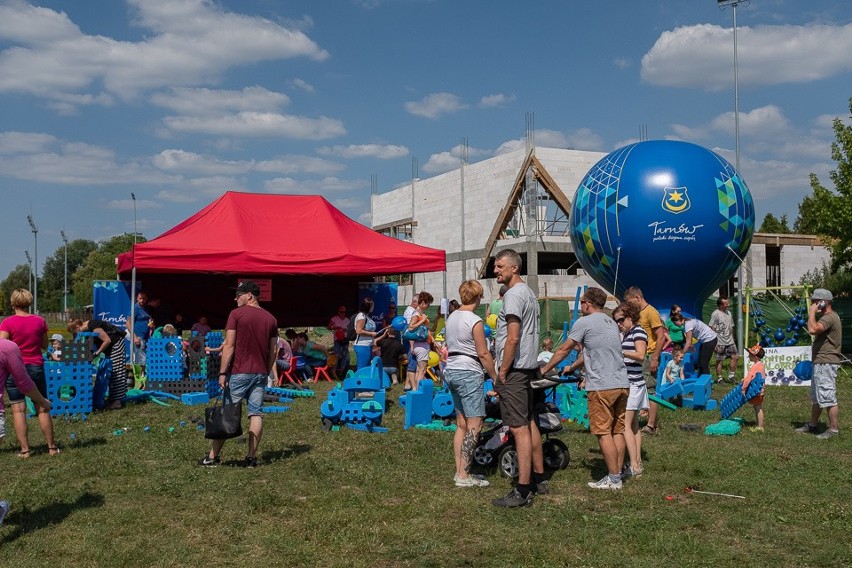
(826, 357)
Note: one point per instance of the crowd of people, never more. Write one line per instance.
(618, 360)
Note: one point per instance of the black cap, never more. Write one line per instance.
(248, 287)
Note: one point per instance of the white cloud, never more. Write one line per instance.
(434, 105)
(190, 101)
(185, 163)
(380, 151)
(700, 56)
(259, 124)
(451, 159)
(621, 62)
(186, 43)
(762, 121)
(302, 85)
(580, 139)
(497, 100)
(44, 158)
(311, 187)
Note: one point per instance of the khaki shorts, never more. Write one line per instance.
(650, 378)
(606, 411)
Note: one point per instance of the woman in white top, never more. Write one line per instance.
(704, 334)
(365, 331)
(467, 356)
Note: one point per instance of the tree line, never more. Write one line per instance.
(87, 261)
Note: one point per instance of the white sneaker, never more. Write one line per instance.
(471, 481)
(605, 483)
(827, 434)
(4, 508)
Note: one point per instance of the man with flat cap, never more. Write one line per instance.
(826, 357)
(248, 356)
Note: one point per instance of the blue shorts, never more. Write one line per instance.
(468, 394)
(248, 386)
(36, 373)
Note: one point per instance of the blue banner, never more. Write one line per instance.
(383, 294)
(112, 301)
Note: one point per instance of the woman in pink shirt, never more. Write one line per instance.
(29, 333)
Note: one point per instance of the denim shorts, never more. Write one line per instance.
(467, 391)
(248, 386)
(36, 373)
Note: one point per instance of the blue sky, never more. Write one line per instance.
(178, 101)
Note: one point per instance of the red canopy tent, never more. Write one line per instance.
(313, 254)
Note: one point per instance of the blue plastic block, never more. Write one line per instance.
(69, 387)
(275, 409)
(418, 404)
(697, 393)
(292, 393)
(193, 398)
(163, 359)
(443, 405)
(670, 390)
(367, 427)
(735, 399)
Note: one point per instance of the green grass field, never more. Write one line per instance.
(355, 499)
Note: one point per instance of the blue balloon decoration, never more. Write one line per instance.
(790, 342)
(650, 202)
(398, 323)
(487, 330)
(757, 311)
(779, 334)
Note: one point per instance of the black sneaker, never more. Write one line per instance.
(207, 462)
(513, 499)
(251, 462)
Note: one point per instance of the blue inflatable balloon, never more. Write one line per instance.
(650, 204)
(398, 323)
(487, 330)
(779, 334)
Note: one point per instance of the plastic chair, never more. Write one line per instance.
(292, 374)
(322, 371)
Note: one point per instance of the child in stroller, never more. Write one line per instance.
(496, 445)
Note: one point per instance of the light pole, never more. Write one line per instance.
(65, 284)
(30, 274)
(733, 4)
(35, 279)
(133, 286)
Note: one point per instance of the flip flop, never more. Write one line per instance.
(53, 450)
(23, 454)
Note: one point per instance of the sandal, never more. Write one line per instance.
(53, 450)
(23, 454)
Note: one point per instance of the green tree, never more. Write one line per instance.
(19, 277)
(100, 265)
(53, 274)
(827, 212)
(771, 224)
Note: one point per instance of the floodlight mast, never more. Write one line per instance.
(133, 287)
(722, 5)
(65, 281)
(35, 279)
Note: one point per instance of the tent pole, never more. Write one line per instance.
(132, 312)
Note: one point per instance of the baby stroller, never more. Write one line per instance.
(496, 446)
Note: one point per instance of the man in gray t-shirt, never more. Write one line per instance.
(516, 345)
(606, 380)
(519, 301)
(722, 323)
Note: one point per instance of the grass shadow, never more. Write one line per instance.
(27, 521)
(286, 453)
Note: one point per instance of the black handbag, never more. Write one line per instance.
(225, 420)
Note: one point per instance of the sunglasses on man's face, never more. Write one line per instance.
(620, 321)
